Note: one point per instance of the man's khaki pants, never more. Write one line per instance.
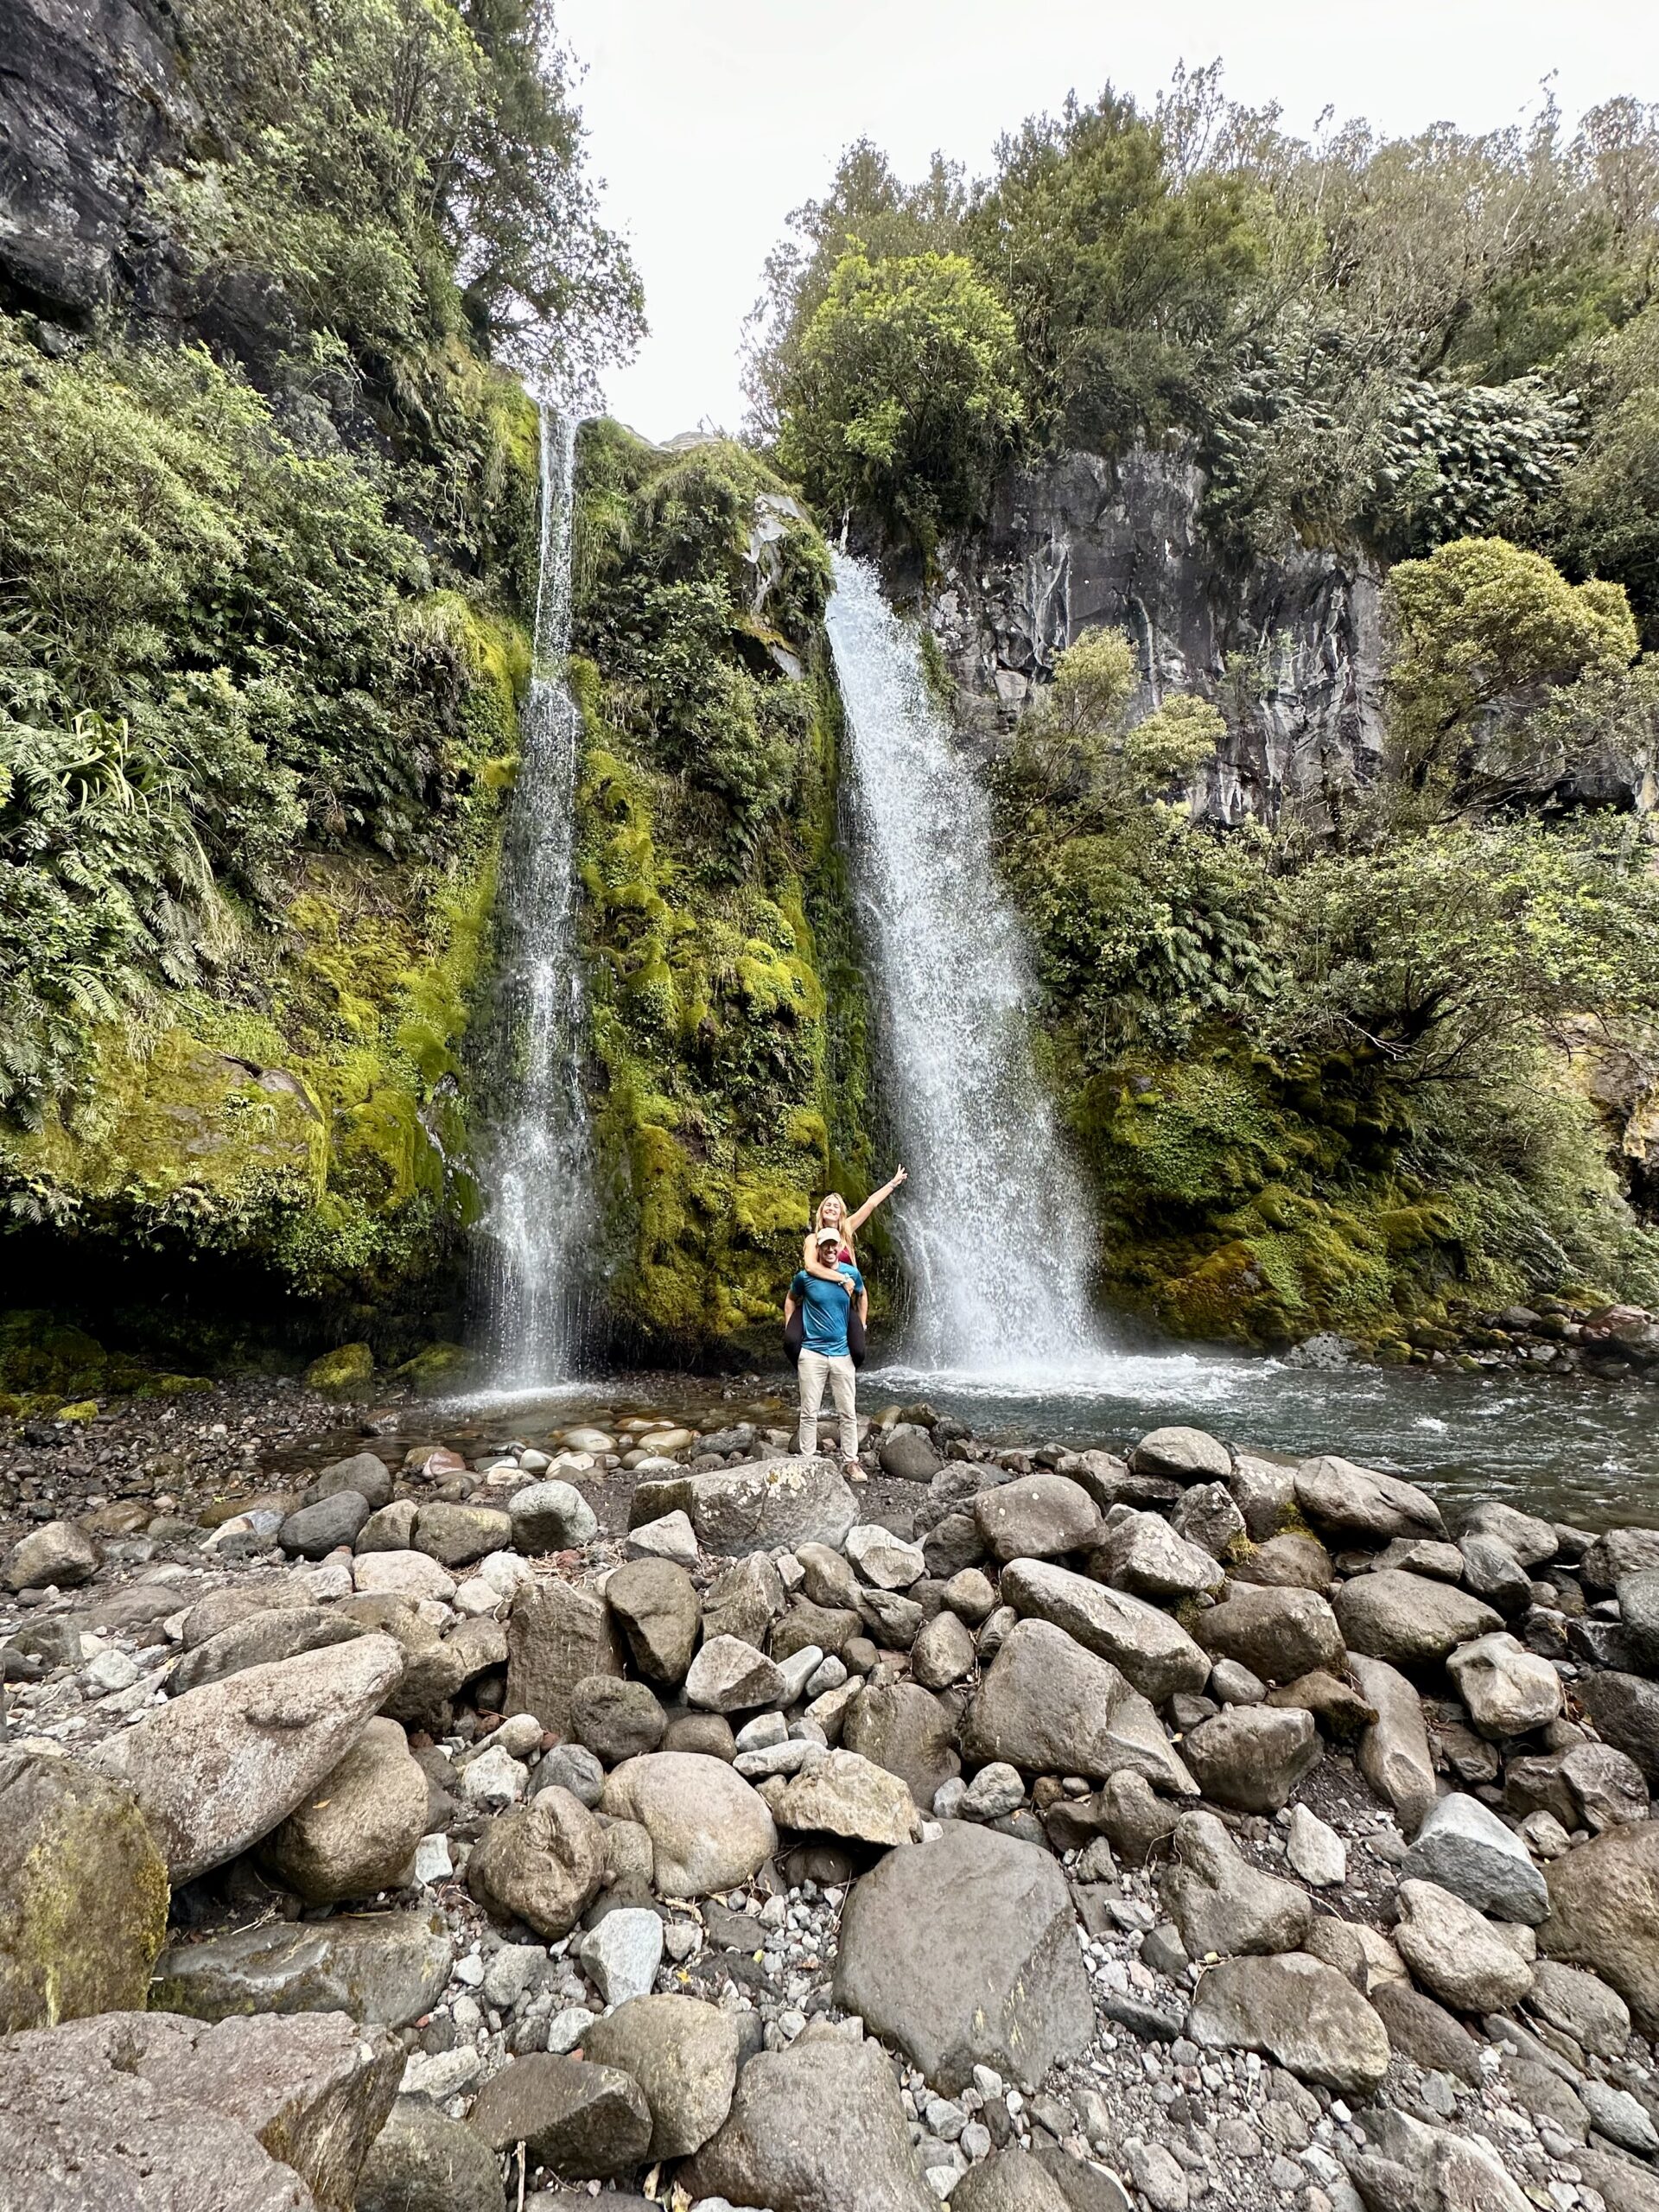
(817, 1368)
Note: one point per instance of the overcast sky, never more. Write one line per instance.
(711, 119)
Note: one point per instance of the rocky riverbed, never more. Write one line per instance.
(403, 1820)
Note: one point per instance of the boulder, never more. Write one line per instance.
(1463, 1846)
(1427, 2033)
(1187, 1455)
(816, 2128)
(1252, 1756)
(317, 1529)
(356, 1830)
(883, 1560)
(1532, 1540)
(386, 1968)
(580, 2121)
(744, 1600)
(550, 1516)
(1135, 1823)
(1491, 1570)
(615, 1721)
(1206, 1515)
(709, 1829)
(944, 1652)
(1422, 1555)
(402, 1573)
(1583, 2006)
(964, 1953)
(769, 1503)
(1038, 1517)
(455, 1536)
(1604, 1914)
(684, 2055)
(260, 1641)
(844, 1795)
(1277, 1634)
(1314, 1849)
(1625, 1711)
(365, 1472)
(1153, 1652)
(421, 2162)
(83, 1893)
(891, 1619)
(1394, 1753)
(1354, 1501)
(657, 1603)
(621, 1953)
(60, 1554)
(1291, 1560)
(1509, 1690)
(1222, 1904)
(1264, 1491)
(540, 1863)
(901, 1727)
(1619, 1553)
(1458, 1955)
(1605, 1786)
(1048, 1706)
(556, 1635)
(1408, 2166)
(389, 1529)
(1143, 1552)
(670, 1537)
(728, 1675)
(435, 1673)
(828, 1628)
(1344, 1712)
(1011, 2181)
(1298, 2011)
(217, 1768)
(1407, 1619)
(151, 2111)
(909, 1457)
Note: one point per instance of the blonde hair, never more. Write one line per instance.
(834, 1197)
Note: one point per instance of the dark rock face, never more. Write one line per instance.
(1077, 541)
(91, 99)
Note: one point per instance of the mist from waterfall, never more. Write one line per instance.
(535, 1168)
(993, 1226)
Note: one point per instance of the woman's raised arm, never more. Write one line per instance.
(856, 1221)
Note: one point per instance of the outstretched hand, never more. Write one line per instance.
(899, 1175)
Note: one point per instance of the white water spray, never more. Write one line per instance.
(535, 1168)
(994, 1232)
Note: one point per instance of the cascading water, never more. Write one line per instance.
(993, 1226)
(535, 1169)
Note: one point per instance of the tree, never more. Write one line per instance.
(1480, 634)
(904, 393)
(1078, 739)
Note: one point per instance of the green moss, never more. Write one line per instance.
(341, 1372)
(83, 1411)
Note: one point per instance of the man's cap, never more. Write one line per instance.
(828, 1236)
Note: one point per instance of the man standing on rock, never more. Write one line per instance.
(825, 1302)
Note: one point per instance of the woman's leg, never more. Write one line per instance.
(813, 1369)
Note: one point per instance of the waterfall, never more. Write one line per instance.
(994, 1233)
(535, 1169)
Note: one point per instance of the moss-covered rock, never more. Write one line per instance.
(84, 1894)
(341, 1372)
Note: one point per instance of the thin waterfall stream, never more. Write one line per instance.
(993, 1224)
(534, 1162)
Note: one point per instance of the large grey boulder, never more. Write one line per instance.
(1456, 1954)
(1625, 1711)
(1394, 1751)
(386, 1968)
(744, 1600)
(1152, 1650)
(1279, 1634)
(557, 1635)
(550, 1516)
(841, 1794)
(1253, 1755)
(684, 2055)
(218, 1768)
(1221, 1903)
(1583, 2006)
(356, 1831)
(1406, 1618)
(1532, 1540)
(728, 1675)
(581, 2121)
(1206, 1515)
(1604, 1914)
(423, 2161)
(1187, 1455)
(1491, 1570)
(317, 1529)
(59, 1553)
(964, 1953)
(816, 2128)
(1408, 2166)
(902, 1728)
(769, 1504)
(1037, 1516)
(365, 1472)
(1463, 1846)
(1509, 1690)
(1048, 1706)
(261, 1640)
(1012, 2181)
(657, 1603)
(1141, 1552)
(456, 1534)
(1619, 1553)
(1297, 2011)
(83, 1893)
(540, 1863)
(1354, 1501)
(709, 1830)
(615, 1720)
(152, 2111)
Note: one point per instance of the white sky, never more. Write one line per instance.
(711, 119)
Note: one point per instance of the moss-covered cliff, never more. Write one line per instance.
(730, 1076)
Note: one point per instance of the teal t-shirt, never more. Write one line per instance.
(825, 1310)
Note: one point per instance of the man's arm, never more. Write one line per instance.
(815, 1267)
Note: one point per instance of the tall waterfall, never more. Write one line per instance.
(993, 1226)
(535, 1169)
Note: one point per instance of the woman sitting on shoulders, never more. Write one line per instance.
(832, 1214)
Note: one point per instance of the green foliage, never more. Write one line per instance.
(1077, 735)
(715, 911)
(902, 395)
